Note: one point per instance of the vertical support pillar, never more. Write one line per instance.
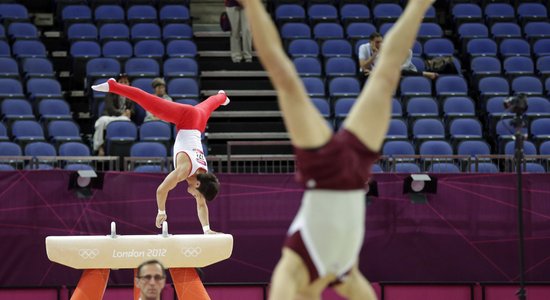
(91, 285)
(188, 284)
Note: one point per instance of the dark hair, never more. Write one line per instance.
(374, 35)
(151, 262)
(209, 185)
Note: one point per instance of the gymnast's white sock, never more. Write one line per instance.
(102, 87)
(226, 98)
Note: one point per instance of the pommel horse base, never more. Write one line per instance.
(178, 253)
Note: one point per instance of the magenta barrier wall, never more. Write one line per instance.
(29, 294)
(466, 232)
(427, 292)
(509, 292)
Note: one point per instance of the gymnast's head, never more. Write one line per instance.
(206, 184)
(150, 279)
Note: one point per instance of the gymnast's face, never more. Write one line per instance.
(151, 281)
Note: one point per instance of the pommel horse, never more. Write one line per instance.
(97, 254)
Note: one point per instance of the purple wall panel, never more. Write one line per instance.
(28, 294)
(427, 292)
(467, 232)
(509, 292)
(234, 292)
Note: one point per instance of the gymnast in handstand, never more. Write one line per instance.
(189, 160)
(325, 238)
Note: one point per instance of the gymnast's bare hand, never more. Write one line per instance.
(161, 218)
(210, 231)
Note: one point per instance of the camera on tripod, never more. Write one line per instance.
(516, 104)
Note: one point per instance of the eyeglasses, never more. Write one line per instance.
(149, 277)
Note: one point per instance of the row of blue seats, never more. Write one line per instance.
(119, 31)
(468, 12)
(448, 167)
(117, 14)
(46, 110)
(145, 48)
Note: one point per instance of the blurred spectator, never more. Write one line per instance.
(159, 85)
(240, 40)
(150, 279)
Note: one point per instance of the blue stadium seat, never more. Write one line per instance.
(85, 49)
(473, 148)
(407, 167)
(531, 167)
(396, 109)
(443, 167)
(468, 31)
(39, 88)
(142, 67)
(322, 13)
(307, 66)
(505, 131)
(183, 88)
(528, 85)
(422, 107)
(8, 67)
(528, 148)
(360, 30)
(82, 31)
(418, 63)
(114, 31)
(518, 66)
(176, 31)
(181, 67)
(181, 48)
(544, 148)
(148, 149)
(415, 86)
(514, 47)
(294, 30)
(303, 47)
(121, 50)
(537, 30)
(485, 66)
(16, 109)
(540, 129)
(451, 85)
(465, 128)
(144, 84)
(27, 131)
(417, 49)
(324, 31)
(314, 86)
(141, 13)
(5, 50)
(150, 49)
(13, 12)
(538, 107)
(10, 149)
(397, 130)
(430, 15)
(541, 47)
(3, 132)
(119, 133)
(429, 148)
(481, 47)
(495, 108)
(384, 28)
(322, 106)
(103, 67)
(290, 13)
(344, 87)
(543, 66)
(429, 31)
(54, 109)
(531, 12)
(484, 167)
(336, 48)
(428, 129)
(109, 13)
(340, 66)
(397, 148)
(376, 168)
(155, 131)
(503, 30)
(466, 12)
(499, 12)
(354, 12)
(60, 131)
(76, 14)
(174, 14)
(40, 149)
(74, 149)
(342, 107)
(23, 31)
(28, 48)
(386, 12)
(458, 107)
(5, 167)
(493, 86)
(438, 47)
(10, 88)
(145, 31)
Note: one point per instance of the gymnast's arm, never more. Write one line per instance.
(202, 212)
(178, 175)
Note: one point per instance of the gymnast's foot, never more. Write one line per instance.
(226, 98)
(102, 87)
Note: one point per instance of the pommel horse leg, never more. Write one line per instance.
(91, 285)
(187, 284)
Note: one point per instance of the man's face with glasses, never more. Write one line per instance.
(151, 281)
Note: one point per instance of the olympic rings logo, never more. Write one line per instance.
(88, 253)
(191, 252)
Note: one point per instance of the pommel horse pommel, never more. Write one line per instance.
(178, 253)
